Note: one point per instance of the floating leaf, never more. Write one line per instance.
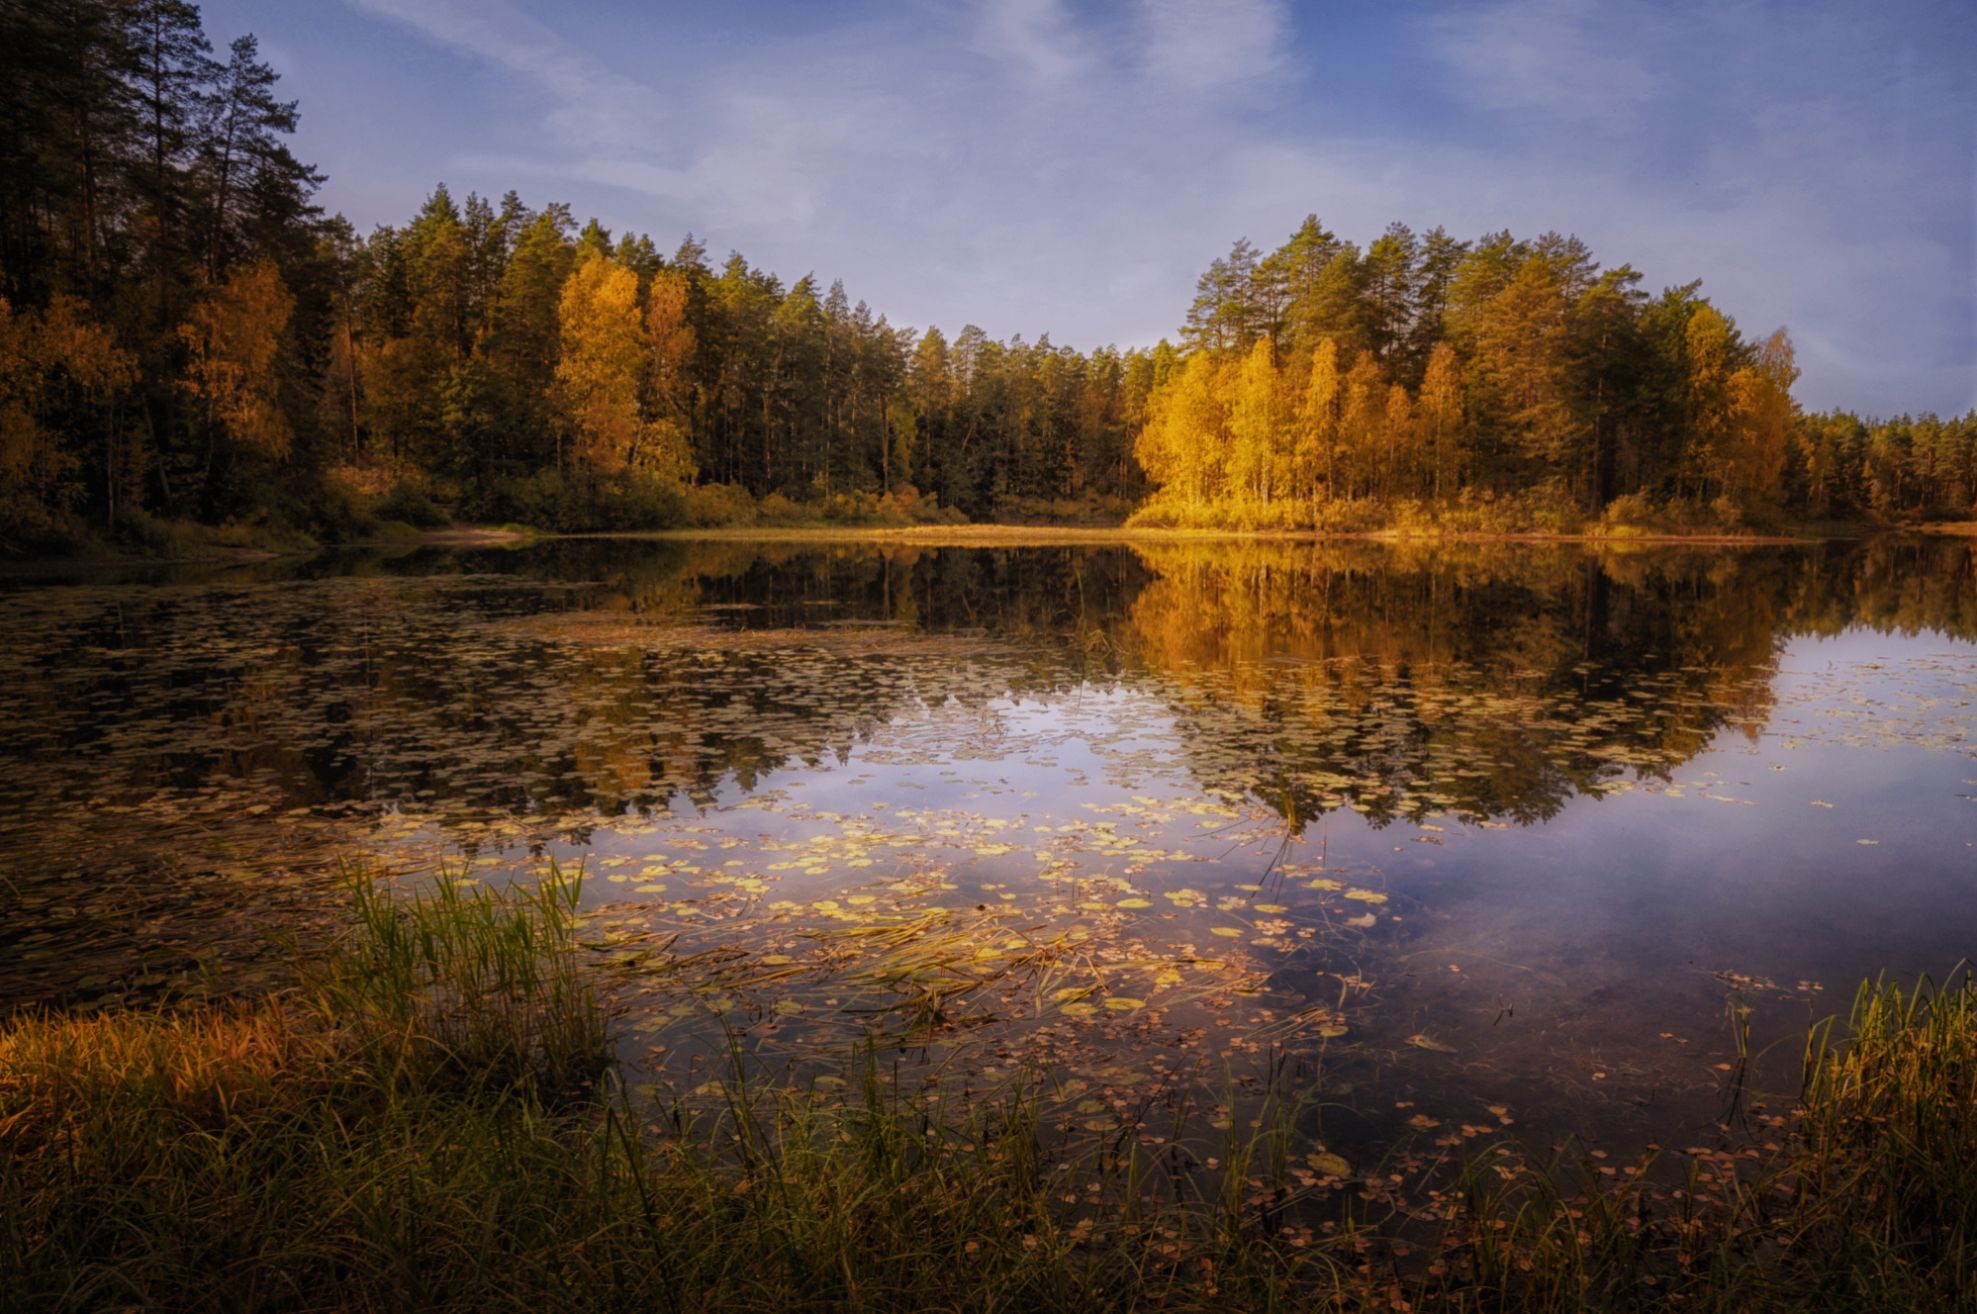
(1327, 1164)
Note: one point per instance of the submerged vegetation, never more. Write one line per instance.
(432, 1118)
(185, 338)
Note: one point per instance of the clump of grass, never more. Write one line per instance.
(431, 1123)
(1885, 1174)
(407, 1130)
(463, 983)
(1870, 1203)
(885, 1202)
(423, 1126)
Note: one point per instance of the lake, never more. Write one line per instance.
(1457, 839)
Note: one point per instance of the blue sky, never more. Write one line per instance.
(1042, 166)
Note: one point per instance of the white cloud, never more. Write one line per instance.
(1554, 56)
(1801, 158)
(1038, 37)
(1213, 45)
(1034, 166)
(589, 100)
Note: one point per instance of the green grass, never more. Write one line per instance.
(432, 1121)
(1885, 1179)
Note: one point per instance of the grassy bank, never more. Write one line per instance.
(432, 1120)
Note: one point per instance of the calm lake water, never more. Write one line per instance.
(1460, 838)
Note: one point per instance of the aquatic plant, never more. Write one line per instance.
(432, 1123)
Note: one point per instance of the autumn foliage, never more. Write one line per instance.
(185, 336)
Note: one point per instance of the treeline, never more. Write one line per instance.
(1504, 383)
(184, 336)
(483, 344)
(163, 292)
(1901, 468)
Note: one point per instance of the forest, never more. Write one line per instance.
(187, 339)
(1504, 383)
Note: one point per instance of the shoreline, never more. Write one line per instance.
(1048, 535)
(985, 534)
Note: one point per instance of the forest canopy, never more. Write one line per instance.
(185, 336)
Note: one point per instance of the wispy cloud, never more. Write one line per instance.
(1560, 57)
(1040, 38)
(588, 100)
(1216, 45)
(1817, 163)
(1037, 164)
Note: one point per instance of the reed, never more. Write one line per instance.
(432, 1121)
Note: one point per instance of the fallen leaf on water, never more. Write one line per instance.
(1328, 1164)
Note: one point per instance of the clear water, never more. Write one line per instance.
(1464, 838)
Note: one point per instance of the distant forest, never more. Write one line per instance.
(185, 337)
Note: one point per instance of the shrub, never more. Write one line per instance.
(579, 502)
(1727, 512)
(1630, 513)
(1090, 509)
(712, 505)
(905, 505)
(338, 513)
(778, 509)
(409, 504)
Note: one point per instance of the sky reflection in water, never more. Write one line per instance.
(1458, 831)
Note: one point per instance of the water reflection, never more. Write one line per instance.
(1495, 814)
(612, 677)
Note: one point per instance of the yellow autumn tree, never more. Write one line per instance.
(608, 357)
(1757, 440)
(55, 365)
(1256, 425)
(1182, 446)
(1440, 415)
(1318, 421)
(1399, 459)
(232, 339)
(1707, 346)
(669, 360)
(603, 357)
(1360, 417)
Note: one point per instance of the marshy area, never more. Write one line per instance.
(434, 1119)
(692, 926)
